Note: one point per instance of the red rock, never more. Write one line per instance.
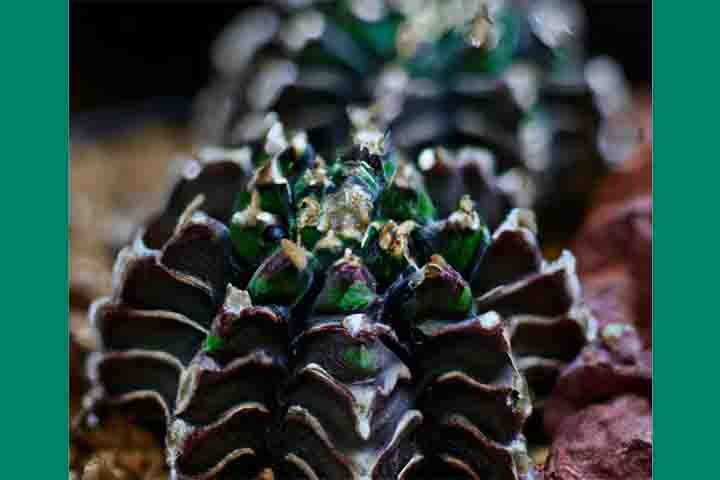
(616, 363)
(609, 441)
(614, 247)
(632, 179)
(611, 294)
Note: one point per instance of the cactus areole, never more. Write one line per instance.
(315, 318)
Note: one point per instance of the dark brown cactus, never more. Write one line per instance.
(540, 301)
(326, 325)
(474, 399)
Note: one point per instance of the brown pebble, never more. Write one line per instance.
(614, 247)
(609, 441)
(616, 363)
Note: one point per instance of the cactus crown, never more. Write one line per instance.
(302, 214)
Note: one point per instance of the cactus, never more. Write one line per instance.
(507, 78)
(327, 324)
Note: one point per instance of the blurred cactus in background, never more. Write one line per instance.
(508, 79)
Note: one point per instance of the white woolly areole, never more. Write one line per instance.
(489, 320)
(518, 218)
(356, 323)
(236, 300)
(276, 141)
(566, 262)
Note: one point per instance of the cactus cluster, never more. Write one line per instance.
(319, 318)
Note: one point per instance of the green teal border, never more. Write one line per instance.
(34, 236)
(686, 169)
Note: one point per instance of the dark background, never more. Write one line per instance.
(139, 57)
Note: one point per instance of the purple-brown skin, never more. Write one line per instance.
(353, 273)
(608, 441)
(218, 180)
